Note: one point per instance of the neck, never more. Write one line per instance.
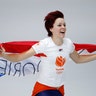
(57, 41)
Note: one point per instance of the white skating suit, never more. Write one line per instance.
(52, 65)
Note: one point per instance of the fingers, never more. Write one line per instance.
(2, 49)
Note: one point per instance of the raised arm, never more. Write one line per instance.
(15, 57)
(77, 58)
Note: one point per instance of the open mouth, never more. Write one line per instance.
(62, 32)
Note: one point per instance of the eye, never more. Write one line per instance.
(59, 25)
(64, 24)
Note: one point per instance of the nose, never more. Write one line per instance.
(63, 26)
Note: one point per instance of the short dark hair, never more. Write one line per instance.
(50, 19)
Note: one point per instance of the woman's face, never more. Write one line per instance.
(59, 28)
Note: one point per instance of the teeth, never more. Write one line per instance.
(62, 32)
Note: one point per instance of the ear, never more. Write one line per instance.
(51, 29)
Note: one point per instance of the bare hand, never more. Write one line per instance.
(2, 51)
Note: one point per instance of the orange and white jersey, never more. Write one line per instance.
(52, 64)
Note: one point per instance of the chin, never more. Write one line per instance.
(63, 36)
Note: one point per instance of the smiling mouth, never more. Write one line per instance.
(62, 32)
